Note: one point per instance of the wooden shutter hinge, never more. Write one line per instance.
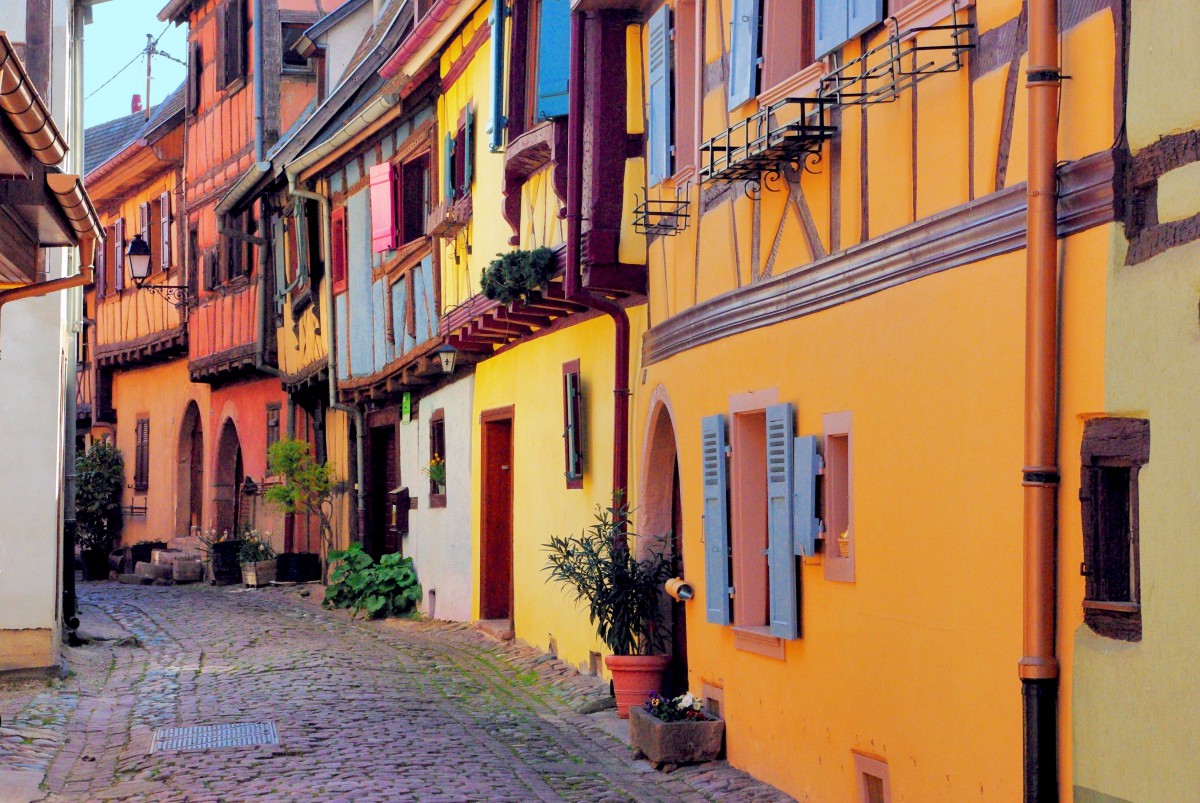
(1083, 569)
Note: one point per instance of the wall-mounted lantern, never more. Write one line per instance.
(138, 257)
(447, 354)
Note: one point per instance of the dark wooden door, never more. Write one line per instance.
(676, 681)
(382, 538)
(496, 542)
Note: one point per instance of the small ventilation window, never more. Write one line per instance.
(874, 785)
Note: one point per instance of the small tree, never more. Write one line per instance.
(100, 476)
(308, 488)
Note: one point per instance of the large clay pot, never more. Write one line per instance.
(635, 678)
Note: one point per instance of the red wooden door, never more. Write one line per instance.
(496, 542)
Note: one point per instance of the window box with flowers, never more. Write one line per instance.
(436, 471)
(669, 732)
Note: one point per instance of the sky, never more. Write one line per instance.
(117, 35)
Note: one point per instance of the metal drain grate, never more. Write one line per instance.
(206, 737)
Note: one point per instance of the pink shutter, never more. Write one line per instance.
(383, 207)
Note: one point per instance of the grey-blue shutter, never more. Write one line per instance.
(806, 524)
(861, 15)
(716, 519)
(830, 26)
(498, 121)
(448, 169)
(743, 52)
(302, 253)
(554, 58)
(469, 146)
(658, 94)
(282, 288)
(781, 558)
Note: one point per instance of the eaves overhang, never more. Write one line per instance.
(434, 29)
(21, 103)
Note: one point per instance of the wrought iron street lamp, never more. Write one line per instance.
(138, 257)
(447, 354)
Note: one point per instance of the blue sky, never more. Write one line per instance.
(116, 35)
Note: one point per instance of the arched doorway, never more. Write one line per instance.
(660, 513)
(189, 478)
(228, 476)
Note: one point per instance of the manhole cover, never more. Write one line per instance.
(206, 737)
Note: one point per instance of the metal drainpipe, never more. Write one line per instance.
(572, 286)
(331, 351)
(258, 80)
(1039, 666)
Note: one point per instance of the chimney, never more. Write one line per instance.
(136, 105)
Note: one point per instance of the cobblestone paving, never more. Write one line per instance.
(365, 711)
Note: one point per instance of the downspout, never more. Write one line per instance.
(1039, 666)
(258, 80)
(572, 280)
(331, 350)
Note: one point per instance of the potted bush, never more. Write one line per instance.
(100, 476)
(622, 595)
(307, 487)
(256, 556)
(670, 732)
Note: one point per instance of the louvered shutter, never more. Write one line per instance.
(448, 168)
(383, 207)
(468, 157)
(337, 248)
(164, 224)
(862, 15)
(141, 470)
(119, 254)
(278, 233)
(101, 266)
(303, 259)
(716, 519)
(497, 121)
(781, 559)
(830, 26)
(554, 58)
(806, 524)
(743, 52)
(658, 157)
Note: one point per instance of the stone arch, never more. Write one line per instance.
(189, 473)
(228, 474)
(659, 459)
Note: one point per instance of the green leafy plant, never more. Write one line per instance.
(622, 592)
(254, 547)
(308, 487)
(100, 476)
(357, 582)
(517, 274)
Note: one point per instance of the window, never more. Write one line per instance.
(237, 253)
(272, 427)
(293, 62)
(459, 158)
(437, 450)
(837, 500)
(233, 41)
(337, 236)
(150, 229)
(537, 81)
(837, 21)
(414, 197)
(399, 202)
(1113, 452)
(754, 520)
(573, 424)
(874, 781)
(195, 77)
(141, 470)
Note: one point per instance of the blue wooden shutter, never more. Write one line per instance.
(716, 519)
(830, 27)
(806, 524)
(282, 288)
(743, 52)
(469, 146)
(781, 559)
(448, 168)
(658, 94)
(498, 121)
(861, 15)
(554, 58)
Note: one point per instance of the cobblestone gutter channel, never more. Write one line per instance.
(402, 710)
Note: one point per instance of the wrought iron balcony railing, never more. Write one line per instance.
(791, 131)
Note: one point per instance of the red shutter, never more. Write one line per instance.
(337, 248)
(383, 207)
(119, 255)
(164, 222)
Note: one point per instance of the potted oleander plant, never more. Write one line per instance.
(622, 597)
(99, 479)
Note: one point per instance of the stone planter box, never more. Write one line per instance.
(675, 743)
(258, 574)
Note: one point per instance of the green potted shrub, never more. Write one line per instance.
(100, 476)
(517, 275)
(622, 596)
(307, 488)
(256, 556)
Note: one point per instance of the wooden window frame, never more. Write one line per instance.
(573, 442)
(141, 469)
(837, 492)
(1112, 452)
(234, 51)
(412, 225)
(437, 440)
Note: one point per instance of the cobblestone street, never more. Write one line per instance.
(364, 711)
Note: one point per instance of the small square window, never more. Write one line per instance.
(838, 517)
(573, 424)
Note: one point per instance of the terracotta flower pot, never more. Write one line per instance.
(635, 677)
